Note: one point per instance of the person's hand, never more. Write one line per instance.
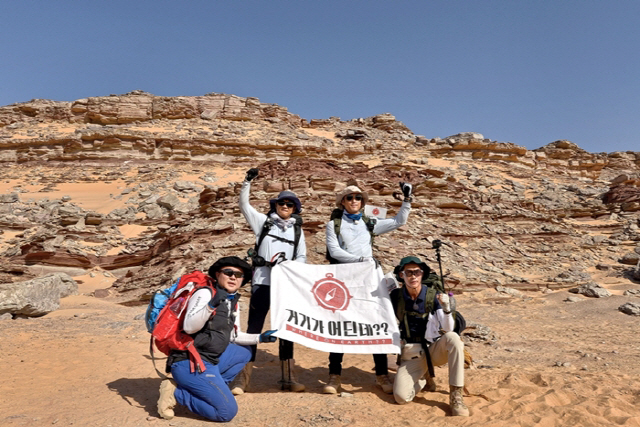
(444, 301)
(221, 295)
(251, 174)
(369, 259)
(406, 189)
(391, 283)
(268, 337)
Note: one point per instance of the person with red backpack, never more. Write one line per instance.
(279, 237)
(212, 318)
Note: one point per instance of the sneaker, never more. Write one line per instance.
(384, 382)
(458, 408)
(167, 400)
(430, 385)
(333, 386)
(240, 383)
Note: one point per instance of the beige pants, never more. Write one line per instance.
(413, 365)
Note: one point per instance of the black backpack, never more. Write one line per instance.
(257, 260)
(336, 217)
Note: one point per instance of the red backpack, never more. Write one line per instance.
(168, 333)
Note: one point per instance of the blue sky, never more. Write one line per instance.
(527, 72)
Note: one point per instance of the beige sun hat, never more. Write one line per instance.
(351, 190)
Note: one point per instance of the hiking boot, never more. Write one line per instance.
(458, 408)
(384, 382)
(240, 383)
(333, 386)
(167, 400)
(430, 385)
(289, 381)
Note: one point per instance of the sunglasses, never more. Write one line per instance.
(350, 197)
(230, 273)
(290, 205)
(409, 273)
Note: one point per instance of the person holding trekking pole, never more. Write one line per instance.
(427, 335)
(279, 237)
(349, 239)
(213, 320)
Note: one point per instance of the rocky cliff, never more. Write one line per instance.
(171, 168)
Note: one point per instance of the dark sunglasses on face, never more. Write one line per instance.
(287, 204)
(229, 273)
(350, 197)
(409, 273)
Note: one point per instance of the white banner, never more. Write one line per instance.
(340, 308)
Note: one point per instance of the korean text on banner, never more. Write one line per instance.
(341, 308)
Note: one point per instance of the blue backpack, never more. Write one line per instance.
(157, 303)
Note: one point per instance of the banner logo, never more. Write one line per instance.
(331, 293)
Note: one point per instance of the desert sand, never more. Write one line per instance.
(96, 370)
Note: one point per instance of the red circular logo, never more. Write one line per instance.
(375, 211)
(331, 293)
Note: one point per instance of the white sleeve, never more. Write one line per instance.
(333, 246)
(254, 218)
(390, 224)
(301, 252)
(446, 321)
(243, 338)
(198, 311)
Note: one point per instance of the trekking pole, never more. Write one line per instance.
(437, 244)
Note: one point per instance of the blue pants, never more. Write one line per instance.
(207, 393)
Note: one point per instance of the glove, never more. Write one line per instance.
(268, 337)
(221, 295)
(391, 282)
(251, 174)
(443, 299)
(406, 190)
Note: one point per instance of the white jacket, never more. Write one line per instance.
(270, 246)
(354, 241)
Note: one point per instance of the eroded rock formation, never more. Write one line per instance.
(173, 166)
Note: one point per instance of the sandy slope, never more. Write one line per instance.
(88, 364)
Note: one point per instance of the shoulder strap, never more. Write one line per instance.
(428, 299)
(268, 223)
(371, 224)
(297, 232)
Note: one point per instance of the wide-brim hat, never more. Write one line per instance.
(411, 260)
(231, 261)
(289, 195)
(351, 189)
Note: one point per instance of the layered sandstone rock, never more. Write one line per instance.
(173, 167)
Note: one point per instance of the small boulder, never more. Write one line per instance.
(630, 308)
(592, 290)
(38, 296)
(632, 258)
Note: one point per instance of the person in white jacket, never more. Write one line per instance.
(213, 320)
(353, 243)
(426, 322)
(281, 239)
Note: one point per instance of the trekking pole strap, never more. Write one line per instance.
(425, 347)
(153, 359)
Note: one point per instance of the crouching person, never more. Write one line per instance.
(214, 323)
(426, 329)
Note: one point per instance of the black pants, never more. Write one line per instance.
(258, 309)
(335, 363)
